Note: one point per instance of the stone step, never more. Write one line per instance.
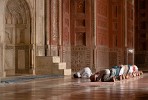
(67, 72)
(51, 65)
(56, 59)
(62, 72)
(61, 65)
(58, 71)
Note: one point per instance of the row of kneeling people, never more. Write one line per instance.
(109, 75)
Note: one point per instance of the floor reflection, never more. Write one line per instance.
(68, 88)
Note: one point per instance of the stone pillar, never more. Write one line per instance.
(40, 28)
(2, 38)
(47, 27)
(134, 31)
(60, 29)
(125, 23)
(94, 35)
(54, 28)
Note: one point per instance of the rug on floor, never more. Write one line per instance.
(28, 78)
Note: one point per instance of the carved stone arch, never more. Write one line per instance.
(17, 37)
(18, 13)
(20, 10)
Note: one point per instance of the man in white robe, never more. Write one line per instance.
(83, 73)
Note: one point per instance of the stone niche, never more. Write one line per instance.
(17, 50)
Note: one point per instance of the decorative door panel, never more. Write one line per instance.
(81, 34)
(22, 59)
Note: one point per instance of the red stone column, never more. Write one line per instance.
(54, 28)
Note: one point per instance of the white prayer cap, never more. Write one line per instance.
(107, 71)
(78, 74)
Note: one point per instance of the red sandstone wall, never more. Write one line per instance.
(130, 30)
(102, 22)
(116, 32)
(116, 26)
(130, 24)
(109, 46)
(66, 48)
(102, 34)
(81, 35)
(141, 43)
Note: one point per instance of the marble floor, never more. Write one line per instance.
(68, 88)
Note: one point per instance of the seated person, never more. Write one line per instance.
(104, 75)
(83, 73)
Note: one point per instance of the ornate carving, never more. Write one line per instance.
(66, 51)
(80, 31)
(19, 9)
(66, 6)
(102, 58)
(81, 57)
(54, 21)
(80, 23)
(17, 35)
(102, 8)
(66, 24)
(67, 56)
(80, 6)
(17, 22)
(130, 24)
(66, 36)
(102, 22)
(116, 56)
(113, 58)
(8, 35)
(102, 38)
(81, 38)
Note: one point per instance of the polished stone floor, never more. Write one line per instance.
(68, 88)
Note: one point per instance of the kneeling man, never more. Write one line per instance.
(83, 73)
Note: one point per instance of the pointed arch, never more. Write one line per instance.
(17, 37)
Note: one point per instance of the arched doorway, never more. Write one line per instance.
(17, 37)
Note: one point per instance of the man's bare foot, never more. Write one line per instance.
(133, 74)
(127, 76)
(120, 77)
(113, 79)
(141, 72)
(123, 76)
